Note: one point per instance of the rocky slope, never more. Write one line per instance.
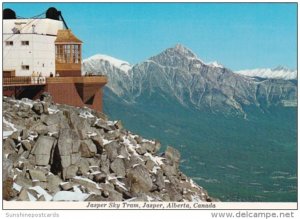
(62, 153)
(178, 74)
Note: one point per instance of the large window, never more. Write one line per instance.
(76, 54)
(59, 53)
(68, 53)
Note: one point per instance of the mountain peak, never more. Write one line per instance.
(281, 68)
(179, 48)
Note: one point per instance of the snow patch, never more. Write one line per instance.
(275, 73)
(41, 192)
(70, 196)
(120, 64)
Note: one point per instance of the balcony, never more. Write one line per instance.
(38, 81)
(23, 81)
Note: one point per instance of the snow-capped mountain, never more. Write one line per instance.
(178, 74)
(279, 72)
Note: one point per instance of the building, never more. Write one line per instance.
(42, 54)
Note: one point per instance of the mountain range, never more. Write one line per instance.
(177, 73)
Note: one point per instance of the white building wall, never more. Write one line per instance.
(39, 55)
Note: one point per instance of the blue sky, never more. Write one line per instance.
(239, 36)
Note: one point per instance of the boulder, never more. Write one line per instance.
(37, 175)
(9, 146)
(42, 150)
(68, 147)
(66, 186)
(71, 171)
(52, 119)
(24, 134)
(140, 179)
(23, 181)
(26, 145)
(90, 185)
(99, 177)
(87, 148)
(112, 150)
(15, 136)
(150, 164)
(172, 155)
(84, 166)
(98, 141)
(38, 108)
(53, 183)
(68, 142)
(118, 167)
(110, 193)
(141, 150)
(101, 124)
(23, 195)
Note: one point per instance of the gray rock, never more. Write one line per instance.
(26, 145)
(140, 179)
(23, 195)
(151, 147)
(71, 171)
(102, 125)
(174, 193)
(98, 141)
(9, 146)
(68, 142)
(172, 155)
(23, 181)
(95, 198)
(119, 124)
(109, 193)
(41, 198)
(112, 150)
(66, 186)
(15, 136)
(42, 149)
(7, 166)
(150, 164)
(52, 119)
(83, 164)
(53, 183)
(38, 108)
(24, 133)
(37, 175)
(99, 177)
(112, 135)
(159, 180)
(88, 184)
(75, 157)
(141, 150)
(87, 148)
(65, 161)
(118, 167)
(24, 107)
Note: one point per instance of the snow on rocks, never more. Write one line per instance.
(72, 154)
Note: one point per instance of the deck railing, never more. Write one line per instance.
(24, 80)
(31, 81)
